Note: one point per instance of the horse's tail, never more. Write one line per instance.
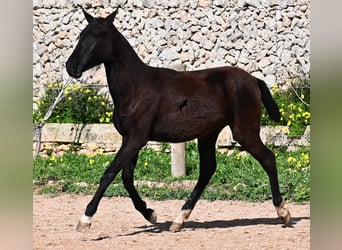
(268, 101)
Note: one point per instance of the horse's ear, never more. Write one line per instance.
(87, 16)
(110, 18)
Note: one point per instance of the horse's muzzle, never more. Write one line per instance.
(73, 69)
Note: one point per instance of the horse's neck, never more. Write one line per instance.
(124, 69)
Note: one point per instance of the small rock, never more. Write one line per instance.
(259, 75)
(264, 62)
(285, 56)
(270, 80)
(169, 54)
(197, 37)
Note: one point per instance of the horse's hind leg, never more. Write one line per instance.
(139, 204)
(206, 148)
(252, 143)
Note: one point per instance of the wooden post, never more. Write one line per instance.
(178, 159)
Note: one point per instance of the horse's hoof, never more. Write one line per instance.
(83, 227)
(287, 218)
(175, 227)
(153, 217)
(283, 213)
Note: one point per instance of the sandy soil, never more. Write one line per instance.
(212, 225)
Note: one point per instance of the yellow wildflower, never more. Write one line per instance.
(291, 160)
(305, 158)
(298, 164)
(275, 89)
(306, 114)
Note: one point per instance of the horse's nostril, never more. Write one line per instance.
(71, 68)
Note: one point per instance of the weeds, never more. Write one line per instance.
(294, 107)
(81, 104)
(238, 176)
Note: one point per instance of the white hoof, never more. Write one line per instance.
(84, 224)
(83, 227)
(178, 223)
(175, 227)
(283, 213)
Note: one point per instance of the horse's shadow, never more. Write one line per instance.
(193, 225)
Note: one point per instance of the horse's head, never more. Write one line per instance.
(94, 46)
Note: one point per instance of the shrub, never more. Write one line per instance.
(81, 104)
(293, 105)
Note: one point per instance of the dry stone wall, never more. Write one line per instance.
(268, 38)
(103, 137)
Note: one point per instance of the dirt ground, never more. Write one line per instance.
(212, 225)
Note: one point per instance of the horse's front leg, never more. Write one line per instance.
(139, 204)
(127, 153)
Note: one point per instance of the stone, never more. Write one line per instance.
(220, 53)
(254, 3)
(298, 32)
(148, 3)
(37, 69)
(197, 37)
(231, 60)
(258, 74)
(291, 14)
(169, 54)
(285, 56)
(244, 57)
(241, 3)
(155, 23)
(261, 55)
(277, 136)
(239, 44)
(264, 62)
(269, 70)
(207, 44)
(270, 80)
(250, 45)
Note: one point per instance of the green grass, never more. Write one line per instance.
(238, 176)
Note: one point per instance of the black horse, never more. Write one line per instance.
(160, 104)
